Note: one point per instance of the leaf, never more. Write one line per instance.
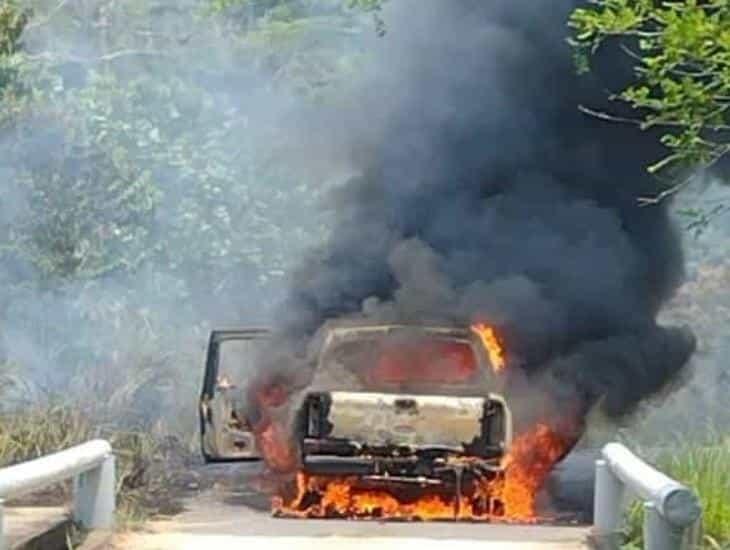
(682, 71)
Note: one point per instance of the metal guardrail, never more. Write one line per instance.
(92, 467)
(671, 510)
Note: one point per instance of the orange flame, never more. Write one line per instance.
(340, 497)
(273, 443)
(491, 344)
(528, 464)
(509, 497)
(273, 439)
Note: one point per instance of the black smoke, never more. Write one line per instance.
(483, 193)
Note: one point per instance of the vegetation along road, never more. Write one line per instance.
(555, 170)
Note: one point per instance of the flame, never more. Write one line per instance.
(491, 343)
(273, 439)
(509, 497)
(340, 497)
(506, 495)
(273, 443)
(527, 465)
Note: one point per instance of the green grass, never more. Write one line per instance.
(41, 430)
(705, 468)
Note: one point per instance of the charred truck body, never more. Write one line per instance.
(387, 404)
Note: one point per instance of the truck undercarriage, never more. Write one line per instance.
(401, 438)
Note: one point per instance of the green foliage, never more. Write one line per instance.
(148, 194)
(682, 55)
(92, 198)
(705, 469)
(145, 157)
(300, 7)
(144, 466)
(117, 168)
(41, 431)
(289, 11)
(13, 20)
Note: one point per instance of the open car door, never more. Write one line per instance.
(225, 434)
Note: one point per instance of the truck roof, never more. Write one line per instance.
(370, 325)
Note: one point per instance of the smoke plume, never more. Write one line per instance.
(483, 193)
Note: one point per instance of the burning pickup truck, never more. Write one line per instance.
(388, 421)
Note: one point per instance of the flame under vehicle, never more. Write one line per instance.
(385, 406)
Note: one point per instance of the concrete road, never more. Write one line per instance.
(234, 515)
(26, 525)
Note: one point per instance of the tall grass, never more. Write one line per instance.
(705, 468)
(141, 399)
(41, 430)
(147, 462)
(687, 436)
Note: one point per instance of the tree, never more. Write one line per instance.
(13, 20)
(145, 158)
(681, 51)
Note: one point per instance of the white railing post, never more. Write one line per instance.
(607, 501)
(94, 496)
(91, 465)
(2, 526)
(671, 510)
(659, 534)
(693, 534)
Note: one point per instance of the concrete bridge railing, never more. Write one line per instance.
(671, 511)
(91, 465)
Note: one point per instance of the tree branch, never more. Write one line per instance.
(50, 56)
(608, 117)
(656, 199)
(649, 123)
(649, 201)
